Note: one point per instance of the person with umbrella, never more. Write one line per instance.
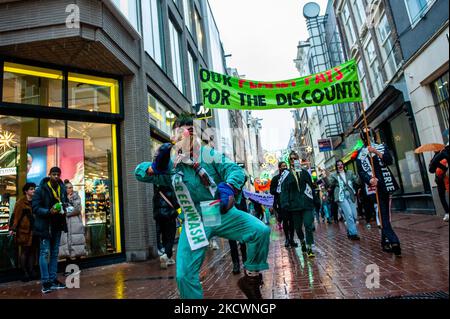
(439, 167)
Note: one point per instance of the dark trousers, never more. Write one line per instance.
(28, 256)
(168, 228)
(387, 233)
(304, 218)
(288, 225)
(442, 193)
(235, 253)
(158, 234)
(334, 211)
(368, 203)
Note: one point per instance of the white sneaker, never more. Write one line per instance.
(171, 261)
(163, 261)
(160, 252)
(446, 218)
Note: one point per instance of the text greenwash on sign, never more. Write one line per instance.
(334, 86)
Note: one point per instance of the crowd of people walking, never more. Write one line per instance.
(47, 225)
(337, 197)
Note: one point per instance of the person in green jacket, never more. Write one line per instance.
(198, 174)
(297, 198)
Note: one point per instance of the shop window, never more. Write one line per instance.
(156, 144)
(440, 89)
(408, 161)
(87, 155)
(159, 115)
(32, 85)
(93, 94)
(100, 189)
(14, 164)
(52, 128)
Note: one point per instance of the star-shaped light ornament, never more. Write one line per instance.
(102, 188)
(7, 140)
(89, 185)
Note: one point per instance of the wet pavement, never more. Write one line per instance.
(337, 271)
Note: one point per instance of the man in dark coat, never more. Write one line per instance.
(298, 198)
(48, 205)
(286, 217)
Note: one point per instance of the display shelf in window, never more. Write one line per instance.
(97, 203)
(4, 217)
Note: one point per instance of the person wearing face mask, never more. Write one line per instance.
(198, 175)
(380, 178)
(286, 217)
(298, 198)
(344, 184)
(73, 243)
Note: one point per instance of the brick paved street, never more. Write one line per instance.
(338, 271)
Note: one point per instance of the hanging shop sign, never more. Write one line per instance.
(202, 112)
(334, 86)
(325, 145)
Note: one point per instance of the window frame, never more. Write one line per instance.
(358, 14)
(198, 22)
(348, 24)
(415, 20)
(187, 9)
(181, 85)
(194, 100)
(161, 33)
(138, 3)
(61, 113)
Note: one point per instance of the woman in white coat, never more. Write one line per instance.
(73, 243)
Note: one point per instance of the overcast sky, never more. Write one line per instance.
(262, 36)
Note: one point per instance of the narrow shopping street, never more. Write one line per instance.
(338, 271)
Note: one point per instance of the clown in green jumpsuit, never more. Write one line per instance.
(236, 225)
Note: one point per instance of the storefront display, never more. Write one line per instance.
(85, 151)
(4, 214)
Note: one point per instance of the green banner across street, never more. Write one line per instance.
(334, 86)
